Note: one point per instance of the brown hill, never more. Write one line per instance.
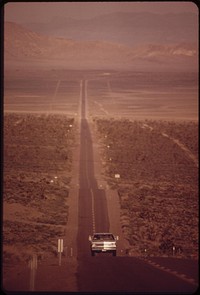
(130, 28)
(21, 44)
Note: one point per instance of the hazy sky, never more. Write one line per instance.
(44, 11)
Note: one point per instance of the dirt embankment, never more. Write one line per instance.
(157, 182)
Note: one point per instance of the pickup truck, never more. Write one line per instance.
(103, 242)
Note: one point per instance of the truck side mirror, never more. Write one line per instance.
(116, 238)
(90, 238)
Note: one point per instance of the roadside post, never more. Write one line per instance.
(60, 250)
(33, 267)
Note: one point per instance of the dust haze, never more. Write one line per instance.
(140, 73)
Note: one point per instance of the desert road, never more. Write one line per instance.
(92, 209)
(91, 205)
(103, 272)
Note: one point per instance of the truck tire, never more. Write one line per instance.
(114, 253)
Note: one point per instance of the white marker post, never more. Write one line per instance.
(33, 267)
(60, 249)
(173, 249)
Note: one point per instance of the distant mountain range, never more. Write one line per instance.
(124, 28)
(22, 44)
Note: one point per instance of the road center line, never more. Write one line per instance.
(86, 149)
(176, 274)
(93, 212)
(86, 167)
(92, 194)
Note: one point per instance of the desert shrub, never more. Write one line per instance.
(185, 132)
(36, 149)
(166, 246)
(158, 185)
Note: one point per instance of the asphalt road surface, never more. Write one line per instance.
(105, 273)
(92, 210)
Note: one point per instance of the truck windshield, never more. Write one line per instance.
(103, 237)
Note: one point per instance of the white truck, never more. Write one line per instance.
(103, 242)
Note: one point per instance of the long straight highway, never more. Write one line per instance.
(104, 273)
(90, 211)
(92, 208)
